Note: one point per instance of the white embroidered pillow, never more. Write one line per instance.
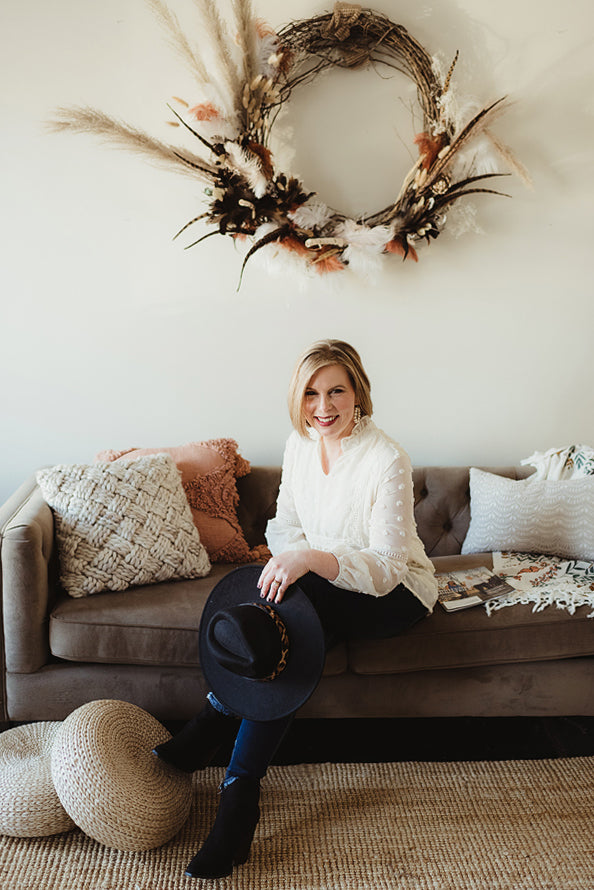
(122, 524)
(539, 516)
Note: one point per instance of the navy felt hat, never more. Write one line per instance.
(261, 660)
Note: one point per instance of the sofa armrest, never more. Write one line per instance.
(26, 546)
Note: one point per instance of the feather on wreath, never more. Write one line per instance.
(242, 94)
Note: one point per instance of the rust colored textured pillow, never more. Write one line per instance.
(209, 470)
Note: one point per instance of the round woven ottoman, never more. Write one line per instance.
(109, 781)
(29, 805)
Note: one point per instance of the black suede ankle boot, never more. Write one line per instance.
(194, 746)
(230, 839)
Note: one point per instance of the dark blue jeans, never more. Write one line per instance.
(345, 615)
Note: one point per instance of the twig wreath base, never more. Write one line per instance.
(246, 195)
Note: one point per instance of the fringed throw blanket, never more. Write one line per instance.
(562, 463)
(543, 581)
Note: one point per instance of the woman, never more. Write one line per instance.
(345, 535)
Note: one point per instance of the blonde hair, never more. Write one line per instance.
(320, 355)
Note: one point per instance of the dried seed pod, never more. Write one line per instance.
(440, 187)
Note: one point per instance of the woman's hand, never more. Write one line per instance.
(281, 571)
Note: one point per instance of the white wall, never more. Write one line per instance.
(112, 335)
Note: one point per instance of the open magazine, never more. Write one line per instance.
(470, 587)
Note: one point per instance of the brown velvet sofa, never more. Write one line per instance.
(141, 645)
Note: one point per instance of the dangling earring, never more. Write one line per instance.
(356, 415)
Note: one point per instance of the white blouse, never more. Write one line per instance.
(362, 512)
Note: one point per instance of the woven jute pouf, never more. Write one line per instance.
(29, 805)
(109, 781)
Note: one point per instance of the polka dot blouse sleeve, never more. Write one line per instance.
(380, 567)
(285, 532)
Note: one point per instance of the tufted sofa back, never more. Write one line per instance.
(442, 503)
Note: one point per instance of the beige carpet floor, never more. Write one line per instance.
(511, 825)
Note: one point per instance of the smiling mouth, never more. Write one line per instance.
(326, 421)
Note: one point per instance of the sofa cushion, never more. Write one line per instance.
(471, 638)
(150, 625)
(122, 524)
(209, 473)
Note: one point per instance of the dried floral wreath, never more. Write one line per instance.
(243, 93)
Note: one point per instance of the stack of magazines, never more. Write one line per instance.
(470, 587)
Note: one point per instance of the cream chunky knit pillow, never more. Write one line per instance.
(122, 524)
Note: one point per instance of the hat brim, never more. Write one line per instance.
(265, 699)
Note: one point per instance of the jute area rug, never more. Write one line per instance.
(515, 825)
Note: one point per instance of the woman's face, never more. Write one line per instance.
(329, 402)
